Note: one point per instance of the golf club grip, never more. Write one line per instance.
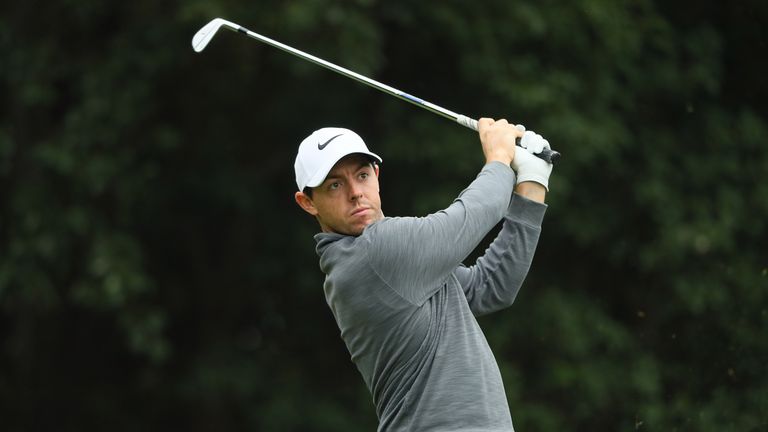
(548, 155)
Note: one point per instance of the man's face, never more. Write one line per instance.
(348, 200)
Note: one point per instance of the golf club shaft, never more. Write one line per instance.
(546, 154)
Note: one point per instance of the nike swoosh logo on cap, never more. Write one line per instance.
(323, 145)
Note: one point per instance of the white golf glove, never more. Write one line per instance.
(527, 166)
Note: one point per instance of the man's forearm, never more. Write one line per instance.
(531, 190)
(493, 281)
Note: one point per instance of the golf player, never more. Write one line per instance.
(403, 300)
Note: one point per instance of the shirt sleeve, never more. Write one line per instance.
(493, 282)
(415, 256)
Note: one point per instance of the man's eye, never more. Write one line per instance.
(364, 175)
(334, 186)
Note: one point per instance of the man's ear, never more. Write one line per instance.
(376, 171)
(305, 202)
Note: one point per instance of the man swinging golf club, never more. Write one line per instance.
(404, 303)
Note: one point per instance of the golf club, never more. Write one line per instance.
(201, 39)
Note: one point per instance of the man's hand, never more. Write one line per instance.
(528, 167)
(498, 140)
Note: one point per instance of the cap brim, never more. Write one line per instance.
(321, 174)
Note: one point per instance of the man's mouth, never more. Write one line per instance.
(359, 211)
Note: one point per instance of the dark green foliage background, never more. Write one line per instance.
(155, 272)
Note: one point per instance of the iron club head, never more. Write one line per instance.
(203, 36)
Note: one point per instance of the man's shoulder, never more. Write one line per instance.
(388, 226)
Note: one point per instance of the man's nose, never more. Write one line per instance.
(355, 191)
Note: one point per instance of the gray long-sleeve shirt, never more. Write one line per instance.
(406, 306)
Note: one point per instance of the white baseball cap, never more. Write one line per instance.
(319, 152)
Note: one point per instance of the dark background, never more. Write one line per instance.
(156, 274)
